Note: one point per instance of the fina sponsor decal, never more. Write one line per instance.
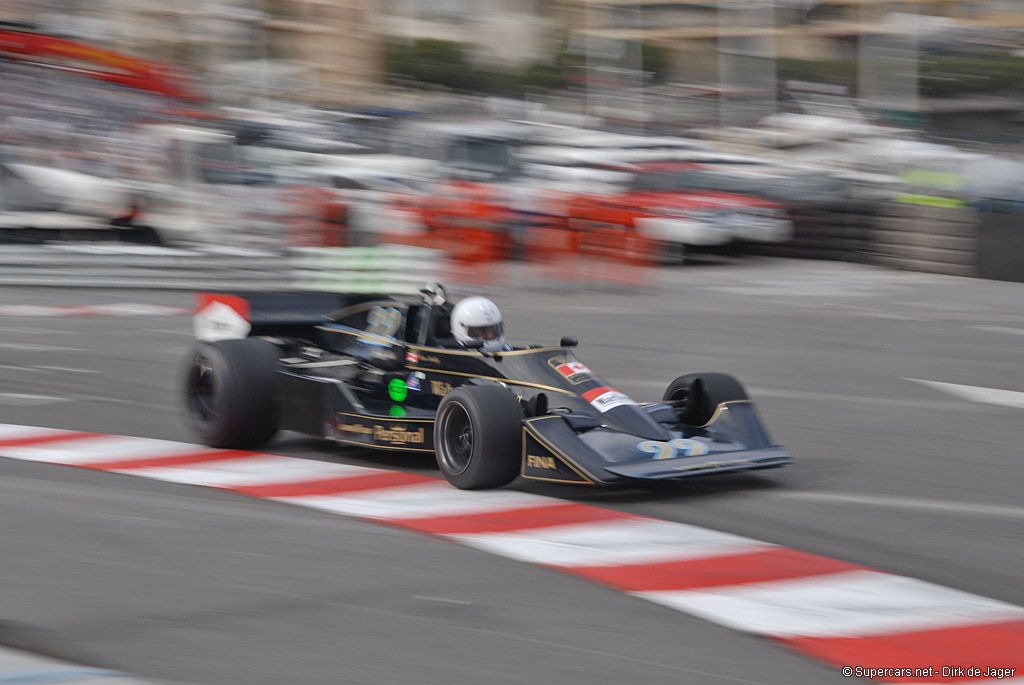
(606, 398)
(536, 462)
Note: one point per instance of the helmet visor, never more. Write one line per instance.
(489, 332)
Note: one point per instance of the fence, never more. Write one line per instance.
(387, 268)
(985, 241)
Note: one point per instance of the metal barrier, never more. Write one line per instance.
(381, 269)
(386, 268)
(927, 238)
(1000, 240)
(897, 235)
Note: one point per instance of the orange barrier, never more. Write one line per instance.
(319, 219)
(479, 253)
(475, 254)
(619, 255)
(553, 254)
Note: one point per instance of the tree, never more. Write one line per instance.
(437, 62)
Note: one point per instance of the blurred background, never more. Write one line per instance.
(652, 176)
(527, 130)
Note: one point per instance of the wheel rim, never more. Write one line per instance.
(687, 410)
(680, 395)
(455, 444)
(202, 390)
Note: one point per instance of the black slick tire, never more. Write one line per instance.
(699, 395)
(229, 392)
(478, 436)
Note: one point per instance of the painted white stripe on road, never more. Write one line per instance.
(15, 367)
(32, 330)
(65, 369)
(995, 396)
(610, 543)
(1000, 329)
(120, 309)
(39, 368)
(36, 347)
(92, 450)
(130, 309)
(813, 396)
(261, 470)
(848, 604)
(18, 399)
(418, 501)
(944, 506)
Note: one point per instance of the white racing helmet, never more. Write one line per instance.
(477, 318)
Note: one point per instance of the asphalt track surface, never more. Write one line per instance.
(198, 586)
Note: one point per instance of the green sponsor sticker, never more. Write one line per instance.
(397, 390)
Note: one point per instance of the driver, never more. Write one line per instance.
(477, 318)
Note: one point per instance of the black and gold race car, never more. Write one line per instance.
(384, 373)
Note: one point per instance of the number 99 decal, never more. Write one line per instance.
(673, 448)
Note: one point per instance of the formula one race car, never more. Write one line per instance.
(385, 373)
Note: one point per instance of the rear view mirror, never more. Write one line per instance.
(568, 341)
(473, 344)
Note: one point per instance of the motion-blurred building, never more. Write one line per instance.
(330, 52)
(821, 29)
(335, 42)
(500, 32)
(731, 48)
(315, 51)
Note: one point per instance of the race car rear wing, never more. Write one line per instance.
(222, 316)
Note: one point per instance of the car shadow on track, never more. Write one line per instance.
(423, 463)
(655, 491)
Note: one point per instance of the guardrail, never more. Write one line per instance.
(385, 268)
(964, 241)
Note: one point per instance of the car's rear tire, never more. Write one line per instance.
(699, 395)
(478, 436)
(229, 395)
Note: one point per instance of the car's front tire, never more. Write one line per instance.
(229, 395)
(478, 436)
(697, 395)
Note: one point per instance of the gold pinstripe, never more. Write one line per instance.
(589, 478)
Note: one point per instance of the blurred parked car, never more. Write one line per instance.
(671, 201)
